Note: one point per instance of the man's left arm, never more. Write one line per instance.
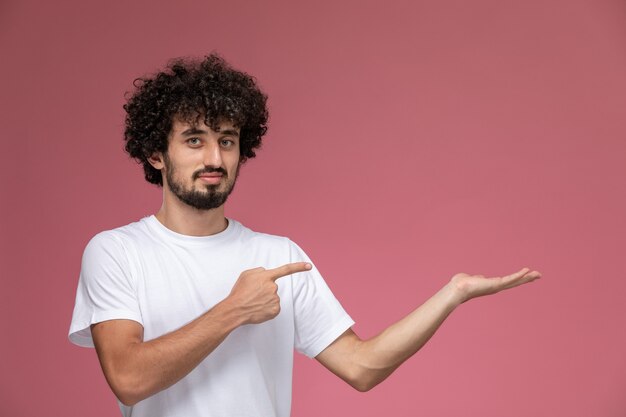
(365, 363)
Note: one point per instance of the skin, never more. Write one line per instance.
(135, 369)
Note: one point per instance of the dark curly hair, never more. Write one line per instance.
(186, 90)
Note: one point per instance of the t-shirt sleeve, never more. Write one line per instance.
(319, 317)
(106, 290)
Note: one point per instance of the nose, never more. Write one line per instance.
(212, 155)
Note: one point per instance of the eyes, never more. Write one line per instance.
(227, 143)
(224, 142)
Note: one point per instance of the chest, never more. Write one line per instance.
(175, 285)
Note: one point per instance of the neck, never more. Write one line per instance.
(186, 220)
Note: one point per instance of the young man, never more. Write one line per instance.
(193, 314)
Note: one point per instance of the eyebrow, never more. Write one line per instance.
(229, 132)
(195, 131)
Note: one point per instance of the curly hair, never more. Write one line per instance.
(186, 90)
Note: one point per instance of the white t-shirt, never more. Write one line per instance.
(163, 280)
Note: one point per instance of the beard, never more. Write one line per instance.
(203, 199)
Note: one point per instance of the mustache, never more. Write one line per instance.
(209, 170)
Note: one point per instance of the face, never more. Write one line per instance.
(201, 165)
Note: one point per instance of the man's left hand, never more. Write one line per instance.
(471, 286)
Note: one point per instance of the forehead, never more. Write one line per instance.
(180, 126)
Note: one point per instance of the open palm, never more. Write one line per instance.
(472, 286)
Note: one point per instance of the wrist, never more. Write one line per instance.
(229, 314)
(453, 295)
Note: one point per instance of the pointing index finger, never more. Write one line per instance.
(288, 269)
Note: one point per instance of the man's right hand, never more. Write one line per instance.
(255, 294)
(136, 369)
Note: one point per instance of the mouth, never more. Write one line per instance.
(210, 175)
(211, 178)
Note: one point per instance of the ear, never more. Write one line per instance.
(156, 160)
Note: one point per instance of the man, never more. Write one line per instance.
(193, 314)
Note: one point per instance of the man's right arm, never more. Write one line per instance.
(136, 370)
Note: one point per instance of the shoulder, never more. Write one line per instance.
(268, 241)
(118, 240)
(251, 236)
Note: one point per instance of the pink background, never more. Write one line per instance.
(408, 141)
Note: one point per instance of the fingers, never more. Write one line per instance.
(288, 269)
(524, 272)
(515, 275)
(520, 277)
